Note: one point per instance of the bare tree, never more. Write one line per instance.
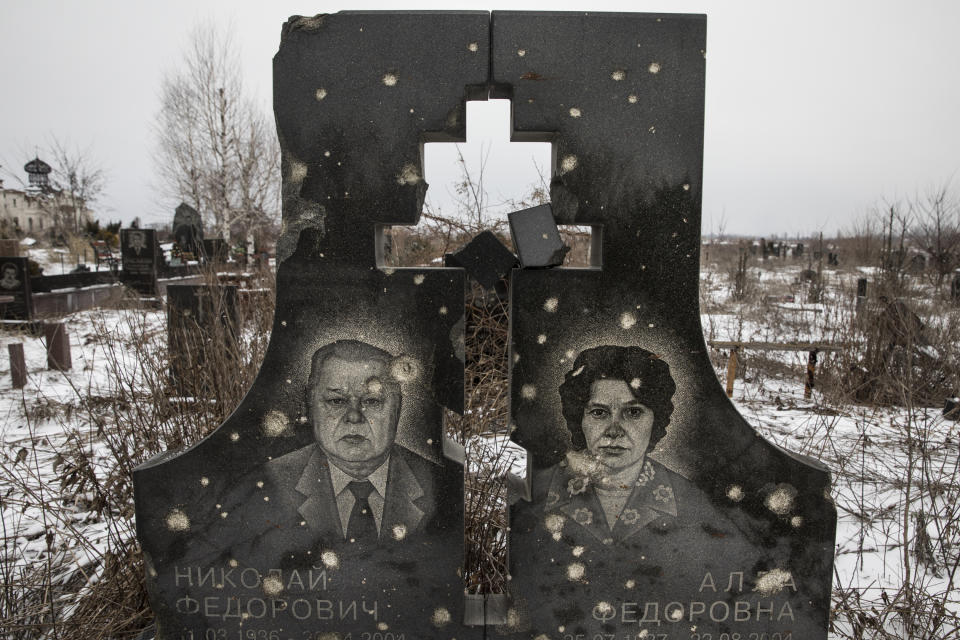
(937, 230)
(78, 181)
(216, 149)
(863, 237)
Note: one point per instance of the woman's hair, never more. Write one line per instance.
(647, 376)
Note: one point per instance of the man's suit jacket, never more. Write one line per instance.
(300, 482)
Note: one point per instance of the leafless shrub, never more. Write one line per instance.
(80, 586)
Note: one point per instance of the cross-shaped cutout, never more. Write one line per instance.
(473, 186)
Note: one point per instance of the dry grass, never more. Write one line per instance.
(84, 590)
(140, 414)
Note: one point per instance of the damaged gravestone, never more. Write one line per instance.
(324, 506)
(653, 510)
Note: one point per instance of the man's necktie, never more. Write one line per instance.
(361, 527)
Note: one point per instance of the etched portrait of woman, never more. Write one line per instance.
(617, 405)
(609, 526)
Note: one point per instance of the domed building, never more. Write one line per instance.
(40, 208)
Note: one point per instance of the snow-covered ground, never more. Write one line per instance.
(897, 541)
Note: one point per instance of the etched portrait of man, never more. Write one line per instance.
(137, 241)
(354, 483)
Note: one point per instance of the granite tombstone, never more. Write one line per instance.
(202, 321)
(15, 288)
(324, 507)
(140, 260)
(188, 229)
(653, 509)
(216, 251)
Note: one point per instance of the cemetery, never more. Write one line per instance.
(589, 421)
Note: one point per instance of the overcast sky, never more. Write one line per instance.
(815, 111)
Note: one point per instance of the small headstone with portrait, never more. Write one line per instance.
(16, 302)
(139, 259)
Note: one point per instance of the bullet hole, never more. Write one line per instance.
(575, 571)
(780, 500)
(272, 586)
(473, 46)
(772, 582)
(275, 423)
(550, 306)
(574, 112)
(554, 522)
(528, 392)
(627, 320)
(440, 617)
(390, 79)
(408, 175)
(654, 67)
(568, 164)
(521, 52)
(632, 98)
(330, 560)
(618, 75)
(418, 279)
(321, 94)
(735, 493)
(177, 520)
(542, 338)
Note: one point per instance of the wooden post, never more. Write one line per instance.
(58, 346)
(18, 365)
(731, 371)
(811, 367)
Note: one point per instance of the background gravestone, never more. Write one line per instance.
(139, 255)
(716, 533)
(201, 320)
(15, 283)
(255, 530)
(215, 250)
(188, 229)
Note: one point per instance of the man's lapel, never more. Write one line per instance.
(399, 507)
(319, 508)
